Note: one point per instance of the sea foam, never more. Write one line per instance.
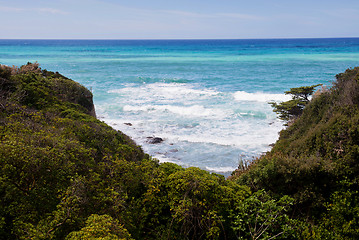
(165, 92)
(260, 97)
(194, 110)
(196, 123)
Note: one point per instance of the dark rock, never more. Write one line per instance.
(154, 140)
(128, 124)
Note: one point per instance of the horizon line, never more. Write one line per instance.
(167, 39)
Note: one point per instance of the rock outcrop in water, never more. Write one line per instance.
(154, 140)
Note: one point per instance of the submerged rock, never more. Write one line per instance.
(154, 140)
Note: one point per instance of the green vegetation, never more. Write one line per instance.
(316, 162)
(66, 175)
(293, 108)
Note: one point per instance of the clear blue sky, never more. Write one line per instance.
(179, 19)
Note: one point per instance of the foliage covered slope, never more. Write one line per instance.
(66, 175)
(51, 152)
(316, 161)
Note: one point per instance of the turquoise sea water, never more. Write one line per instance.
(208, 99)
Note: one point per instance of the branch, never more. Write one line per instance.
(59, 224)
(276, 235)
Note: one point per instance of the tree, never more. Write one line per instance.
(262, 217)
(101, 227)
(293, 108)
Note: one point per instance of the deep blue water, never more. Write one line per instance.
(206, 98)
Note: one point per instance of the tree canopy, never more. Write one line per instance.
(293, 108)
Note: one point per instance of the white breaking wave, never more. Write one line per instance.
(260, 97)
(220, 169)
(195, 110)
(196, 124)
(243, 135)
(166, 92)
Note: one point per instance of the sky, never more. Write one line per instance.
(179, 19)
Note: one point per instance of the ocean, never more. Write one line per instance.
(207, 99)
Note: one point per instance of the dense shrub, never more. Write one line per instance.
(51, 150)
(66, 175)
(313, 157)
